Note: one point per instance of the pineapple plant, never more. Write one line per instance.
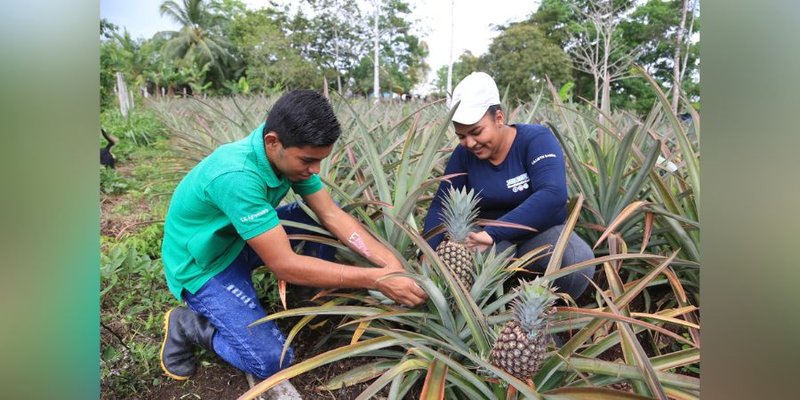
(521, 344)
(459, 214)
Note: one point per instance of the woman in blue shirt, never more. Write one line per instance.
(519, 172)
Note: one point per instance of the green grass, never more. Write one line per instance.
(134, 199)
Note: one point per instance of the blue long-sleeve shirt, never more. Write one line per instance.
(529, 187)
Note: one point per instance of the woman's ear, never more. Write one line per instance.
(500, 118)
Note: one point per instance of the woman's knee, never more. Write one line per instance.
(576, 251)
(575, 283)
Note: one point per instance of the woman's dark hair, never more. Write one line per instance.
(303, 118)
(492, 110)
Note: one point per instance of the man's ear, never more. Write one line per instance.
(271, 140)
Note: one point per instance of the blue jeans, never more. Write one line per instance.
(230, 302)
(577, 251)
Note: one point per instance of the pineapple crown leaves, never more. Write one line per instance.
(460, 209)
(491, 272)
(533, 300)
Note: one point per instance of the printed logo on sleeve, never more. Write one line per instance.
(254, 216)
(542, 157)
(518, 183)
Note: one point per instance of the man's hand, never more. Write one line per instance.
(479, 240)
(401, 289)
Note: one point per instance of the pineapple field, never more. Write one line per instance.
(488, 331)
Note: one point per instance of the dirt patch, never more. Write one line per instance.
(216, 381)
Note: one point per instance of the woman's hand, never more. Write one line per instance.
(479, 240)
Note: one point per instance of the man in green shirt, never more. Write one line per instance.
(223, 221)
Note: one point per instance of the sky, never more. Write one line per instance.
(473, 31)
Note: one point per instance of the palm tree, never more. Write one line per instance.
(200, 37)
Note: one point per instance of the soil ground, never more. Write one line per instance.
(217, 380)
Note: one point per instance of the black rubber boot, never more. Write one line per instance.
(183, 330)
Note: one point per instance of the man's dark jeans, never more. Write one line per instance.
(230, 302)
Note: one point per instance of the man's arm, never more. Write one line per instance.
(348, 230)
(275, 251)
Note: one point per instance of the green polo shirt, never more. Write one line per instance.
(226, 199)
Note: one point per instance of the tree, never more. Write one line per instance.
(200, 37)
(401, 53)
(557, 20)
(520, 58)
(466, 64)
(651, 27)
(119, 52)
(598, 48)
(273, 60)
(668, 55)
(107, 61)
(334, 42)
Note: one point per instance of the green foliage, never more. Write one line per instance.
(466, 64)
(238, 87)
(521, 58)
(111, 182)
(272, 57)
(649, 26)
(331, 40)
(630, 195)
(132, 299)
(565, 93)
(401, 56)
(133, 295)
(200, 38)
(139, 128)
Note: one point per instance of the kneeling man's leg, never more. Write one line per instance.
(230, 303)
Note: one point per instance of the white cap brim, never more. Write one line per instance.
(470, 114)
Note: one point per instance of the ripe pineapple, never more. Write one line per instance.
(460, 211)
(521, 344)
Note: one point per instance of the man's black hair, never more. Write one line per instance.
(303, 118)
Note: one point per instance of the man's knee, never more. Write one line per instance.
(266, 363)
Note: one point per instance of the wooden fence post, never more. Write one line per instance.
(122, 94)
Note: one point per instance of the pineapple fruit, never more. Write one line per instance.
(460, 209)
(521, 344)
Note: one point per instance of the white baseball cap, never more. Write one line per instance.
(477, 92)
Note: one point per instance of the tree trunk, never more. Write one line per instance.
(605, 97)
(450, 64)
(688, 42)
(336, 60)
(676, 60)
(376, 86)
